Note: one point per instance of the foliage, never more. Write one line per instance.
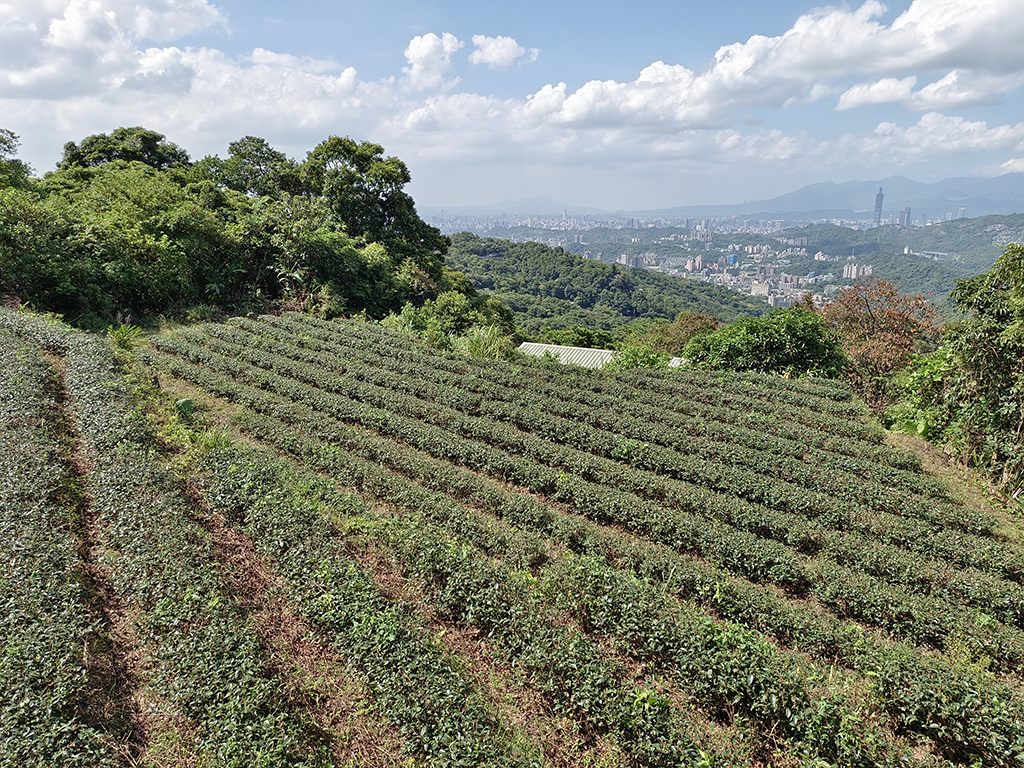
(969, 394)
(673, 337)
(577, 336)
(637, 356)
(881, 330)
(256, 169)
(13, 172)
(971, 244)
(127, 229)
(693, 567)
(548, 287)
(207, 663)
(792, 341)
(364, 191)
(127, 144)
(671, 514)
(471, 324)
(45, 622)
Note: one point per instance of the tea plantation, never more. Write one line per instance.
(287, 541)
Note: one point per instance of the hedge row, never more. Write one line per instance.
(566, 381)
(466, 589)
(883, 560)
(45, 622)
(208, 663)
(424, 690)
(775, 461)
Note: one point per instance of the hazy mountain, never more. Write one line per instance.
(847, 200)
(978, 197)
(527, 206)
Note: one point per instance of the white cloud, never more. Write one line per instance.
(164, 20)
(933, 135)
(57, 49)
(430, 58)
(961, 89)
(1016, 165)
(73, 67)
(499, 51)
(888, 89)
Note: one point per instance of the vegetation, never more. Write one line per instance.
(299, 540)
(520, 564)
(793, 342)
(128, 228)
(969, 393)
(549, 288)
(881, 330)
(969, 245)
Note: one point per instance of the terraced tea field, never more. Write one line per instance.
(285, 541)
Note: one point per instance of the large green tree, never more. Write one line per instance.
(364, 189)
(257, 169)
(794, 341)
(126, 227)
(129, 144)
(969, 393)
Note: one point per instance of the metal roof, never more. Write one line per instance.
(582, 356)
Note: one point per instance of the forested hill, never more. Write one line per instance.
(549, 287)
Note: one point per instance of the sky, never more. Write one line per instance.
(612, 105)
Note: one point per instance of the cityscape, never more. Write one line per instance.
(706, 249)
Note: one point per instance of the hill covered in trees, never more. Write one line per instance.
(130, 227)
(549, 287)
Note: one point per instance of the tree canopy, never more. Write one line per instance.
(969, 393)
(128, 144)
(548, 287)
(127, 227)
(794, 341)
(13, 172)
(881, 330)
(364, 190)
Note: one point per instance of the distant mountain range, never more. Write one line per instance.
(847, 200)
(527, 206)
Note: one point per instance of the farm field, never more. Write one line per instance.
(288, 541)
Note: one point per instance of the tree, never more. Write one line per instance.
(792, 341)
(13, 172)
(128, 144)
(364, 189)
(673, 337)
(632, 356)
(256, 169)
(969, 393)
(881, 330)
(577, 336)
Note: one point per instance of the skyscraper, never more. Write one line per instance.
(878, 207)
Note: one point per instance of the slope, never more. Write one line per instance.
(549, 287)
(525, 564)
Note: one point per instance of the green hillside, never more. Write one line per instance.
(549, 287)
(971, 245)
(291, 541)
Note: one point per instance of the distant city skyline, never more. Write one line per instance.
(614, 106)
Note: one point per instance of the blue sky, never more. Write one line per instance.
(613, 105)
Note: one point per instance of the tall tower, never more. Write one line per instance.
(878, 207)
